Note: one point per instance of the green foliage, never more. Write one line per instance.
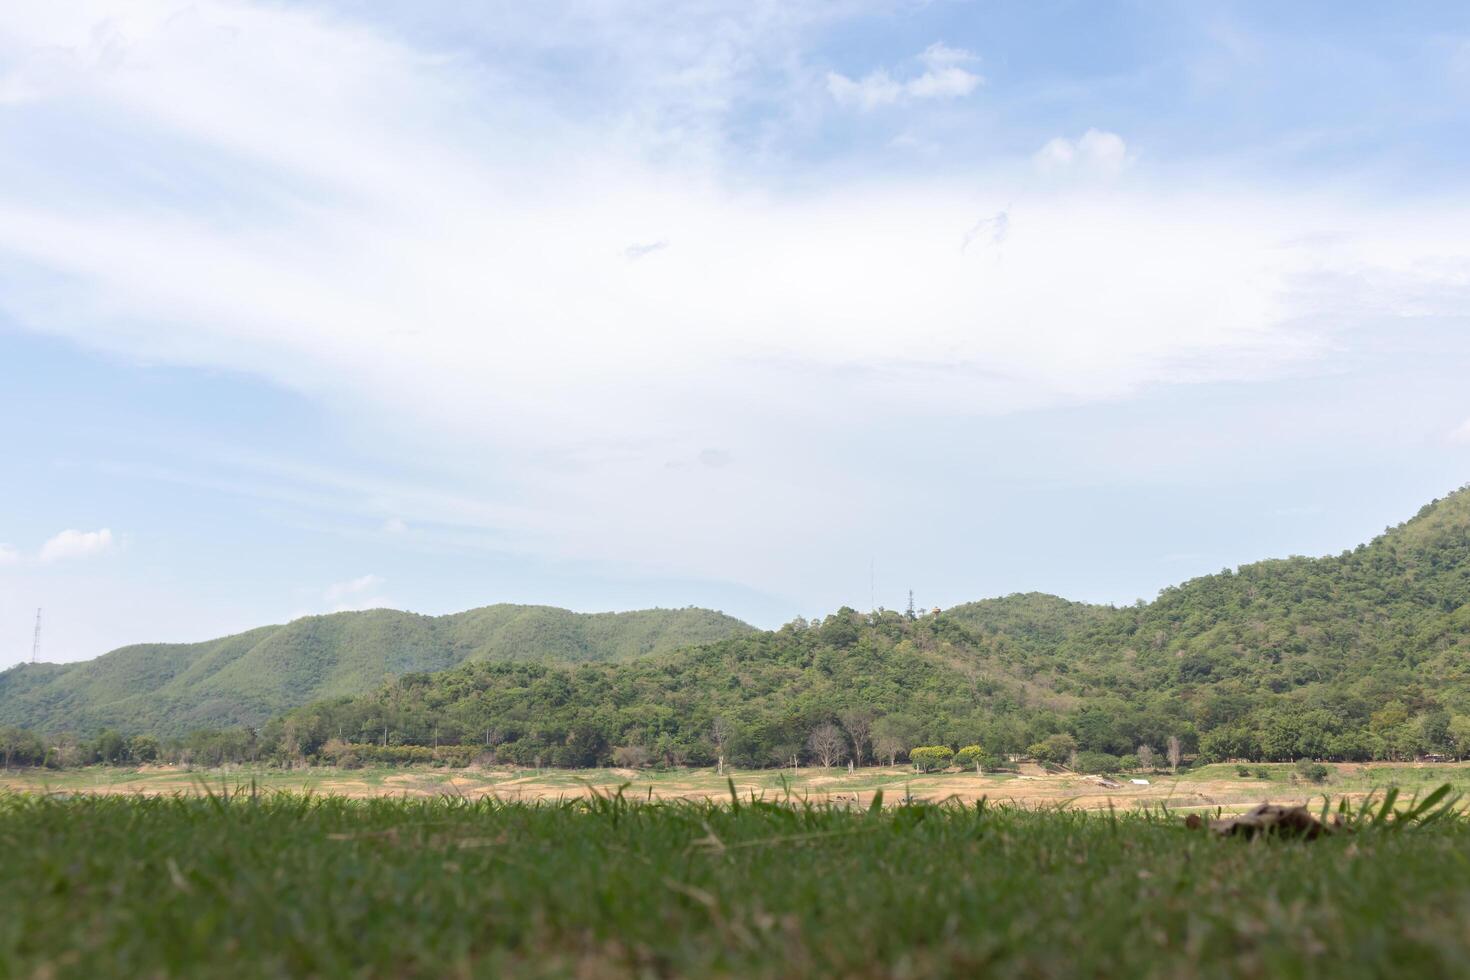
(1363, 655)
(1313, 772)
(968, 756)
(927, 758)
(1056, 749)
(172, 689)
(1097, 762)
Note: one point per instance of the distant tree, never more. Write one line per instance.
(1096, 762)
(143, 748)
(894, 735)
(19, 746)
(1176, 752)
(1145, 756)
(109, 747)
(1434, 730)
(719, 736)
(827, 744)
(1056, 749)
(631, 756)
(1459, 731)
(930, 757)
(969, 755)
(890, 747)
(859, 725)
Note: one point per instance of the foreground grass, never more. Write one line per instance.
(282, 884)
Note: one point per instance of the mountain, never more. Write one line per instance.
(170, 689)
(1359, 655)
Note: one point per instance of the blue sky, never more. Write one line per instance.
(768, 307)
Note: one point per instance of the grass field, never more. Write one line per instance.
(1207, 787)
(283, 884)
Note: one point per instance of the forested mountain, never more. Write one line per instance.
(170, 689)
(1364, 654)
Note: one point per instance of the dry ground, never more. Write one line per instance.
(1207, 787)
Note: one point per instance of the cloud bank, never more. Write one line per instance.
(434, 252)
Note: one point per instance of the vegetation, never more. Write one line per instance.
(1359, 656)
(1365, 655)
(173, 689)
(257, 886)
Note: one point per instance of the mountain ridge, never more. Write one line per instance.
(247, 677)
(1362, 654)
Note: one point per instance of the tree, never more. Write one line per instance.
(969, 755)
(1460, 734)
(828, 744)
(888, 747)
(859, 725)
(1176, 752)
(929, 757)
(1145, 756)
(719, 734)
(143, 748)
(631, 756)
(110, 747)
(20, 746)
(893, 735)
(1056, 749)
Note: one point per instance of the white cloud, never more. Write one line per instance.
(1460, 435)
(352, 587)
(402, 249)
(356, 594)
(8, 555)
(943, 78)
(395, 525)
(76, 544)
(1094, 152)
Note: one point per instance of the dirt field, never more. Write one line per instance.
(1207, 787)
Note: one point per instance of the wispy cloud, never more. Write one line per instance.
(355, 586)
(1094, 152)
(454, 269)
(944, 77)
(1460, 435)
(8, 555)
(71, 543)
(355, 594)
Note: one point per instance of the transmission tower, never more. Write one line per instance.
(911, 603)
(36, 638)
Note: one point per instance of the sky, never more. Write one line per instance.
(769, 307)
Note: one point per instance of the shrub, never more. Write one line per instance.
(1313, 772)
(1129, 763)
(929, 757)
(1095, 762)
(1244, 772)
(1262, 772)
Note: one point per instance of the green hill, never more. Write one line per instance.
(247, 678)
(1359, 655)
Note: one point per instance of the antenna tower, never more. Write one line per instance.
(911, 603)
(36, 638)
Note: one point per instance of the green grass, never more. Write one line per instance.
(271, 885)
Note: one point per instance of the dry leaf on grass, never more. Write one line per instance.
(1268, 818)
